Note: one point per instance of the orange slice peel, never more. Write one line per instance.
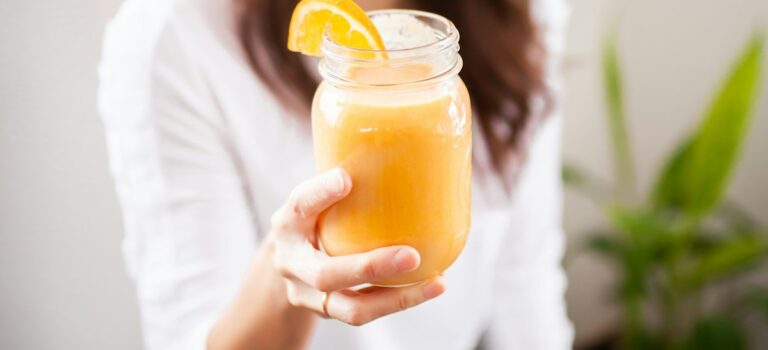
(343, 21)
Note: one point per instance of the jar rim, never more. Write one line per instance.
(448, 37)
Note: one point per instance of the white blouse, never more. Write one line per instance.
(202, 155)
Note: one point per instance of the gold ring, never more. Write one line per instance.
(326, 296)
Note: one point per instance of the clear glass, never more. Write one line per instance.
(399, 122)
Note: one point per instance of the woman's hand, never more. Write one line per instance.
(309, 273)
(275, 306)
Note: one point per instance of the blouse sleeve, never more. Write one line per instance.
(189, 231)
(529, 309)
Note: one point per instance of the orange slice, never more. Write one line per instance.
(344, 21)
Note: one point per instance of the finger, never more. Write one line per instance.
(357, 308)
(313, 196)
(333, 273)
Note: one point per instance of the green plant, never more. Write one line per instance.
(675, 246)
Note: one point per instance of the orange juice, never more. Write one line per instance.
(408, 152)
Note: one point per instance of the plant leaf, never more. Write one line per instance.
(613, 86)
(694, 177)
(642, 339)
(717, 143)
(758, 299)
(640, 225)
(639, 233)
(607, 245)
(670, 184)
(574, 176)
(735, 254)
(651, 236)
(717, 333)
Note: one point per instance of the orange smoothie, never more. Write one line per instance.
(408, 152)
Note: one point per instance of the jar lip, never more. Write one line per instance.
(449, 37)
(450, 71)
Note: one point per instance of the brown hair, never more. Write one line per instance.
(503, 62)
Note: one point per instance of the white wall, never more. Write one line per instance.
(63, 284)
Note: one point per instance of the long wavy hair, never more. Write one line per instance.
(504, 63)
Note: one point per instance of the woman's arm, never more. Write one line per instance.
(260, 316)
(294, 277)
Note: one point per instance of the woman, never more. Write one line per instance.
(207, 127)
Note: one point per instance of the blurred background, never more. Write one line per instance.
(63, 284)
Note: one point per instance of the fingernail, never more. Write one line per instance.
(433, 289)
(338, 180)
(341, 179)
(405, 260)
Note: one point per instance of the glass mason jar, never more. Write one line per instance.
(399, 121)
